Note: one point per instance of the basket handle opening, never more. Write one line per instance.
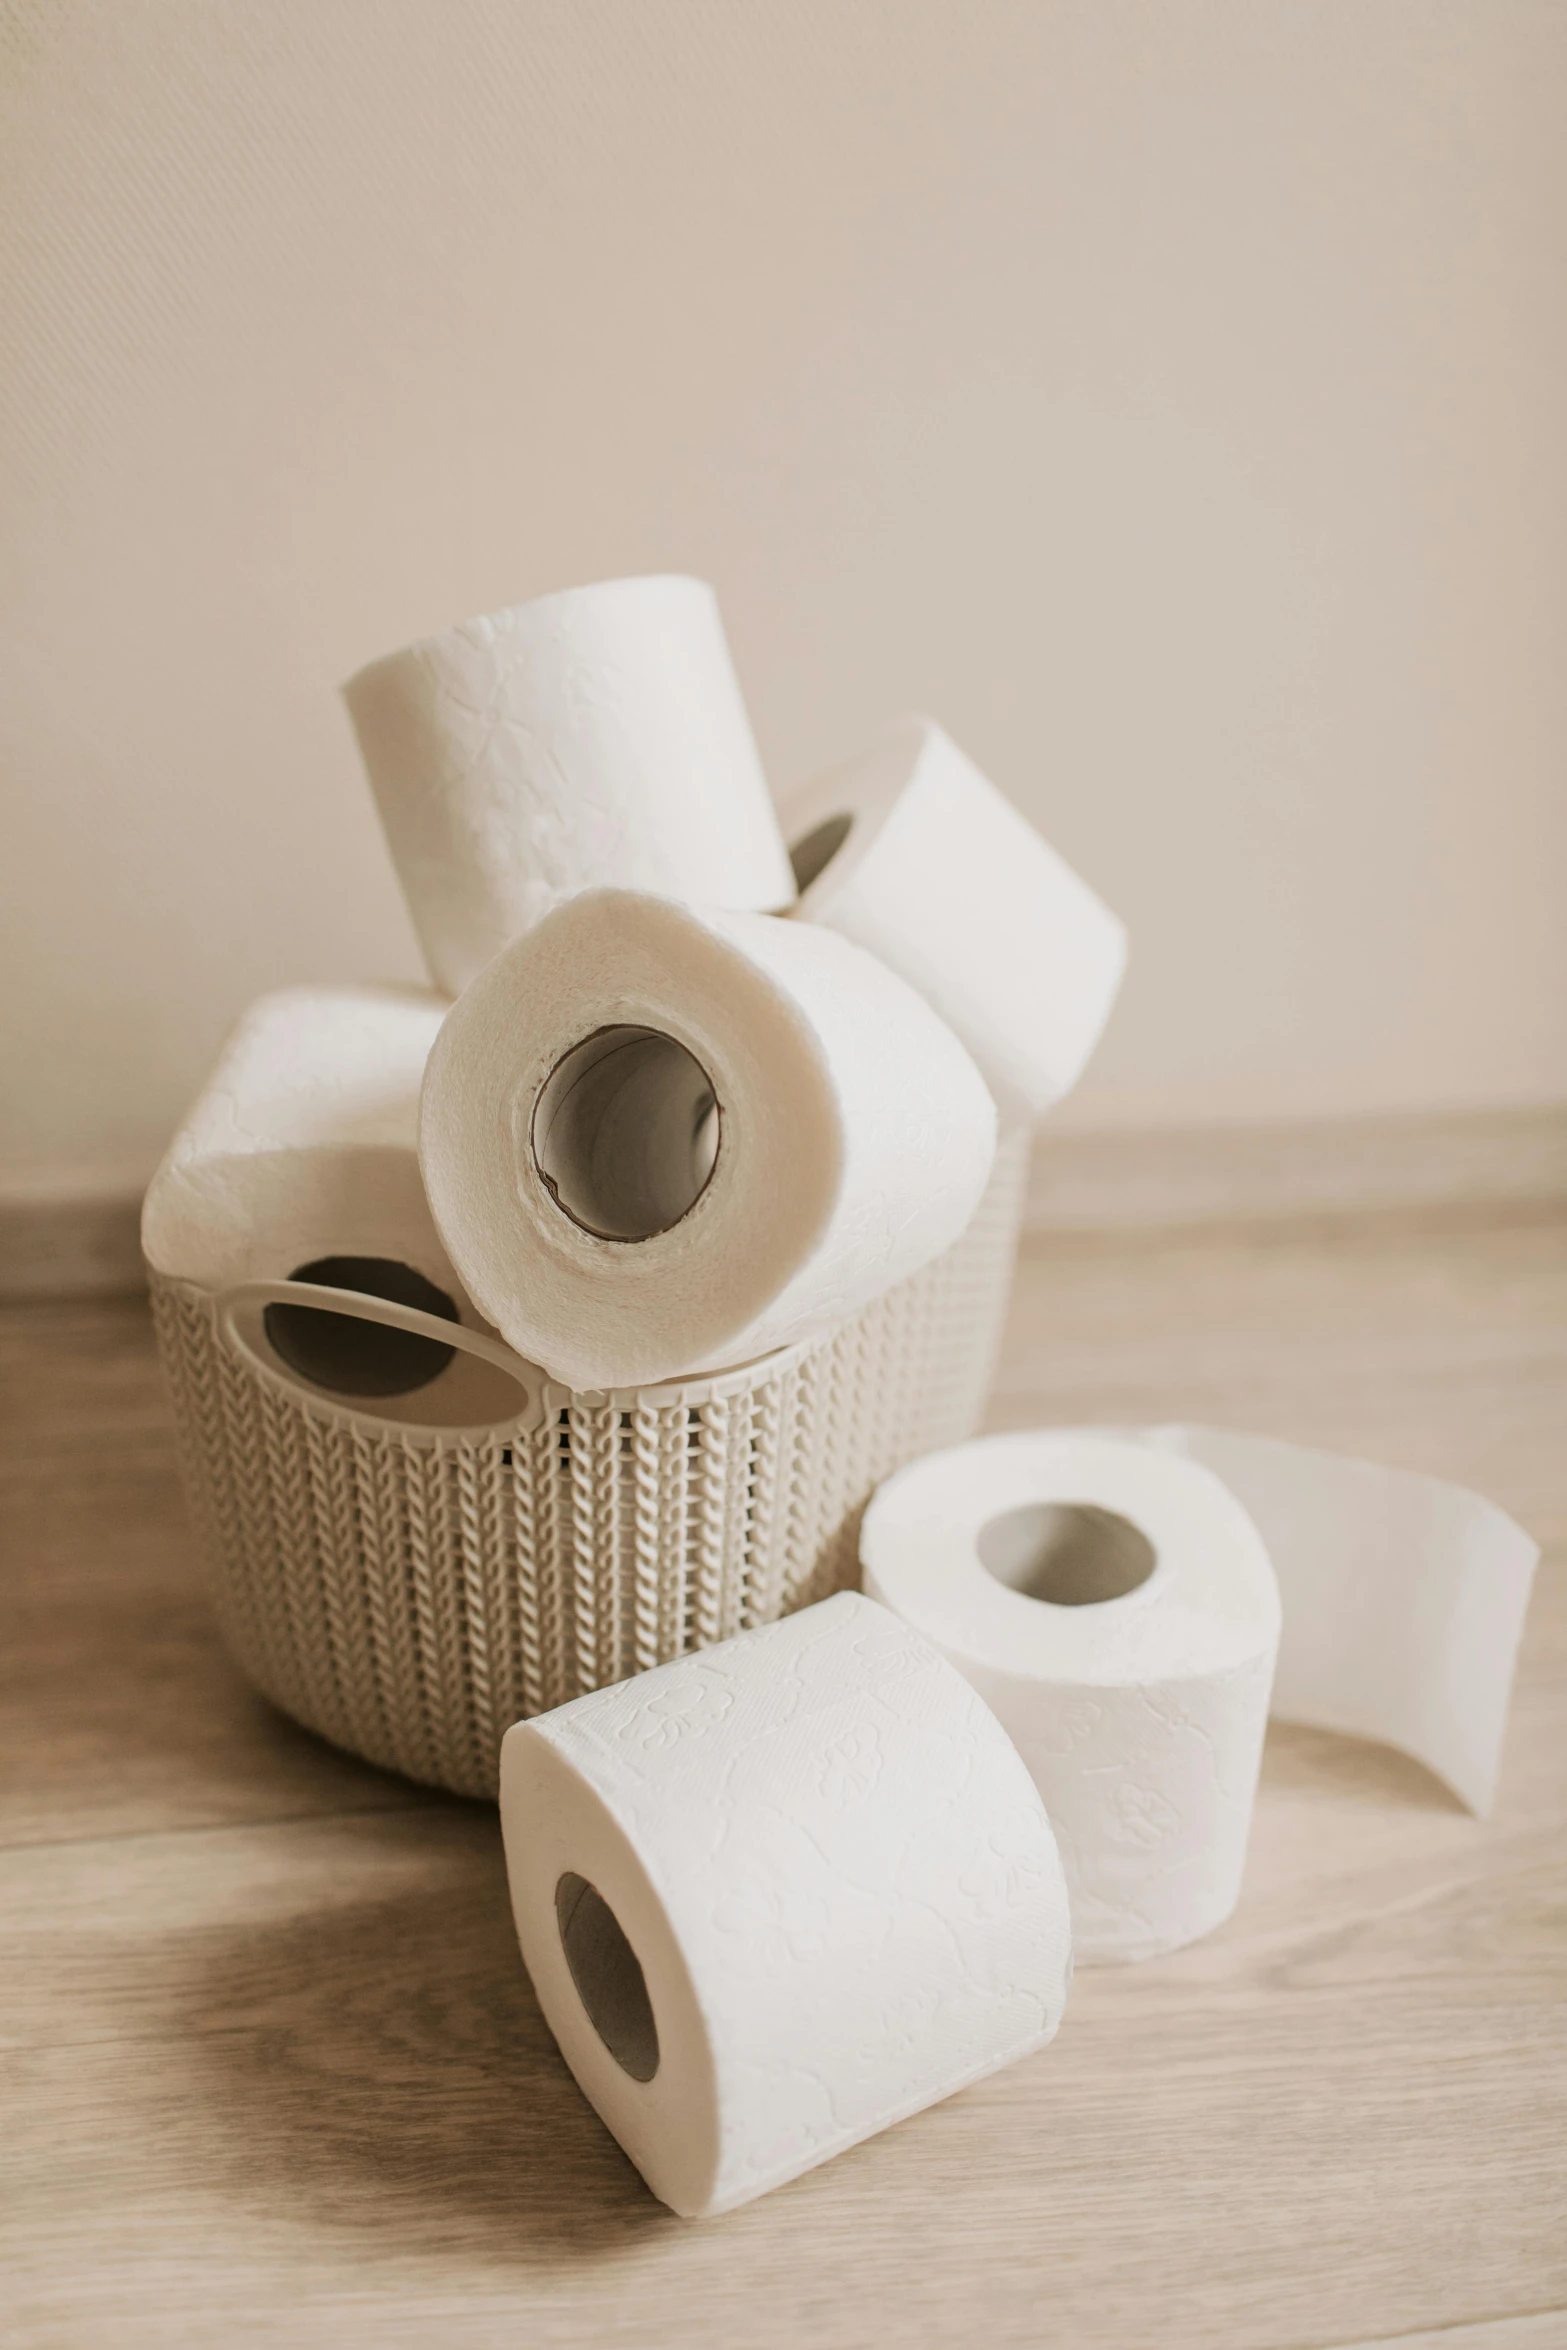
(363, 1306)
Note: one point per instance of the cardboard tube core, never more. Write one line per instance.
(608, 1975)
(1066, 1553)
(626, 1132)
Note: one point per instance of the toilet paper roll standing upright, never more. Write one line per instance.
(911, 852)
(594, 736)
(1118, 1612)
(780, 1894)
(658, 1140)
(1100, 1585)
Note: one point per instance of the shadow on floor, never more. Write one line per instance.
(1352, 1769)
(382, 2067)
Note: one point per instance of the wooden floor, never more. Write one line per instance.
(270, 2070)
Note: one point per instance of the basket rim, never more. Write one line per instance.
(547, 1397)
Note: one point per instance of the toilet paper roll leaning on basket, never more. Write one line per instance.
(410, 1572)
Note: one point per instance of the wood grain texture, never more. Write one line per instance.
(1471, 1163)
(71, 1244)
(1545, 2330)
(119, 1709)
(271, 2071)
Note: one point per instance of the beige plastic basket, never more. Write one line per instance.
(412, 1578)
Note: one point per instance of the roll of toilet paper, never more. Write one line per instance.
(659, 1140)
(911, 852)
(303, 1144)
(1117, 1610)
(1049, 1567)
(780, 1894)
(299, 1162)
(596, 736)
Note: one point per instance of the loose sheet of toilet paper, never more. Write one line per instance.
(658, 1140)
(303, 1144)
(1140, 1715)
(1404, 1598)
(595, 736)
(836, 1877)
(913, 853)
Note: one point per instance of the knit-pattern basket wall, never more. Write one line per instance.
(409, 1592)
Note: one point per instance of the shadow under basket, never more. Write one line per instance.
(410, 1576)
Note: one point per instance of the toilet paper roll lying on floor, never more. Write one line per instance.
(593, 736)
(1055, 1569)
(658, 1140)
(1118, 1612)
(911, 852)
(780, 1894)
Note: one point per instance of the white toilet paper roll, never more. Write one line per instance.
(596, 736)
(1117, 1610)
(780, 1894)
(1058, 1575)
(911, 852)
(658, 1140)
(299, 1158)
(303, 1142)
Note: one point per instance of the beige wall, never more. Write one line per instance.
(1170, 395)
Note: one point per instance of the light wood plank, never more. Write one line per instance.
(71, 1242)
(119, 1708)
(1474, 1163)
(1545, 2330)
(325, 2076)
(1426, 1346)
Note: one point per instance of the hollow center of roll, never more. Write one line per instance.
(608, 1975)
(350, 1357)
(816, 851)
(626, 1132)
(1066, 1552)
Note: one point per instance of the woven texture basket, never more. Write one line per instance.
(409, 1589)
